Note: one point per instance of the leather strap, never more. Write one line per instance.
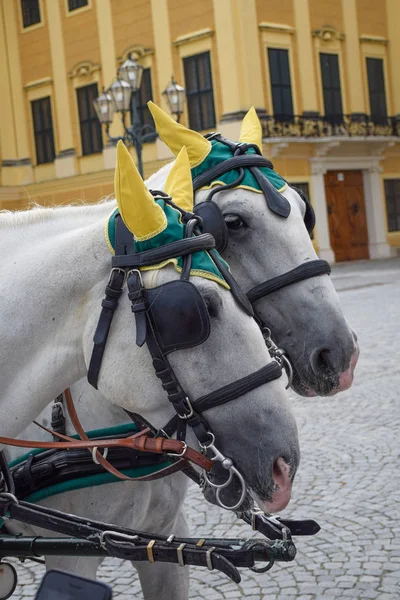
(109, 304)
(142, 443)
(312, 268)
(205, 241)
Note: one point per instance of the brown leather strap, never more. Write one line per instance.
(139, 442)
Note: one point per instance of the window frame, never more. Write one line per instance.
(40, 23)
(281, 116)
(211, 123)
(333, 118)
(386, 183)
(375, 117)
(93, 119)
(43, 134)
(77, 11)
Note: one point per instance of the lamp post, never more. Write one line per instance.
(122, 97)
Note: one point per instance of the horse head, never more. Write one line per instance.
(203, 343)
(264, 227)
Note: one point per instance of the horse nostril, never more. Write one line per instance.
(322, 361)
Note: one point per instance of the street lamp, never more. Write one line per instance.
(175, 97)
(122, 97)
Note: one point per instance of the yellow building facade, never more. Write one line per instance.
(322, 75)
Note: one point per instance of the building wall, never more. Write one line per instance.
(45, 59)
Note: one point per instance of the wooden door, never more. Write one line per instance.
(346, 215)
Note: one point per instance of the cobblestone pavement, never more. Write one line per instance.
(348, 479)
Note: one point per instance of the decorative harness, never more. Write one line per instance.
(153, 328)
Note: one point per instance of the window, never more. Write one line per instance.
(91, 137)
(30, 12)
(199, 91)
(144, 94)
(43, 130)
(280, 83)
(331, 88)
(392, 193)
(74, 4)
(376, 87)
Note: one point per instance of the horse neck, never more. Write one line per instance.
(56, 258)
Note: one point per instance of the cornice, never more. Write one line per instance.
(374, 39)
(38, 83)
(194, 36)
(276, 27)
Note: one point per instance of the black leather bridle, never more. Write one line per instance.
(152, 328)
(276, 202)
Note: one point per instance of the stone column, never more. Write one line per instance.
(319, 202)
(375, 210)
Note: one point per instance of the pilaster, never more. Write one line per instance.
(16, 163)
(393, 49)
(65, 161)
(375, 207)
(305, 57)
(240, 67)
(322, 226)
(355, 81)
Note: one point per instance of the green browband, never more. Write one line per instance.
(219, 153)
(202, 264)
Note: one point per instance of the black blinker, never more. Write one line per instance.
(275, 201)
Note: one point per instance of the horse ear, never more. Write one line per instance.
(250, 130)
(179, 182)
(142, 216)
(176, 136)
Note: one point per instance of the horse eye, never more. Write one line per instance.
(234, 221)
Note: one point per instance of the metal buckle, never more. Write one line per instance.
(209, 558)
(179, 454)
(94, 452)
(131, 271)
(191, 410)
(118, 270)
(116, 534)
(179, 552)
(149, 550)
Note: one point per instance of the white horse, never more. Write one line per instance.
(54, 271)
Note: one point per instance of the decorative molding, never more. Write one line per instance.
(85, 68)
(374, 39)
(20, 162)
(276, 27)
(194, 36)
(319, 165)
(276, 149)
(38, 83)
(135, 52)
(327, 33)
(323, 148)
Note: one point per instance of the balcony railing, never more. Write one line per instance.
(333, 126)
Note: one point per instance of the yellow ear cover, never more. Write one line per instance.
(250, 130)
(142, 216)
(179, 182)
(176, 136)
